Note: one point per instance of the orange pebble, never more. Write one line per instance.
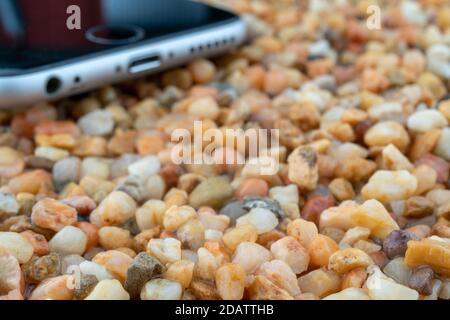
(256, 76)
(252, 187)
(147, 145)
(354, 278)
(320, 250)
(38, 241)
(91, 232)
(57, 127)
(275, 82)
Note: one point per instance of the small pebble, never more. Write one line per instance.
(97, 123)
(69, 240)
(142, 269)
(108, 290)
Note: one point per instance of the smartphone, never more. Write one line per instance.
(51, 49)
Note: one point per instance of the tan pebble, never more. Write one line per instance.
(304, 231)
(424, 143)
(192, 234)
(367, 246)
(418, 207)
(420, 231)
(252, 187)
(339, 217)
(68, 240)
(380, 287)
(341, 189)
(426, 178)
(320, 250)
(387, 186)
(289, 250)
(345, 260)
(202, 70)
(151, 214)
(281, 274)
(14, 295)
(108, 289)
(275, 82)
(115, 209)
(262, 288)
(141, 240)
(31, 182)
(204, 290)
(58, 288)
(38, 241)
(374, 216)
(444, 108)
(230, 281)
(211, 220)
(83, 204)
(355, 169)
(115, 262)
(244, 233)
(354, 278)
(385, 133)
(165, 250)
(91, 232)
(250, 256)
(394, 160)
(303, 169)
(354, 234)
(11, 275)
(204, 108)
(176, 216)
(320, 282)
(112, 238)
(179, 77)
(207, 265)
(16, 244)
(90, 147)
(52, 214)
(96, 188)
(176, 197)
(262, 219)
(161, 289)
(439, 196)
(181, 271)
(128, 251)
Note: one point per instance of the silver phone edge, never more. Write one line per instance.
(28, 89)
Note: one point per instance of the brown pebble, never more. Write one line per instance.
(421, 279)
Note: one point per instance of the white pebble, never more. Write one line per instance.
(95, 167)
(250, 256)
(161, 289)
(97, 123)
(380, 287)
(8, 204)
(165, 250)
(443, 145)
(438, 59)
(17, 245)
(387, 186)
(95, 269)
(387, 108)
(69, 240)
(108, 290)
(262, 219)
(285, 195)
(145, 167)
(426, 120)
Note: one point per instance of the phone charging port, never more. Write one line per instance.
(144, 64)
